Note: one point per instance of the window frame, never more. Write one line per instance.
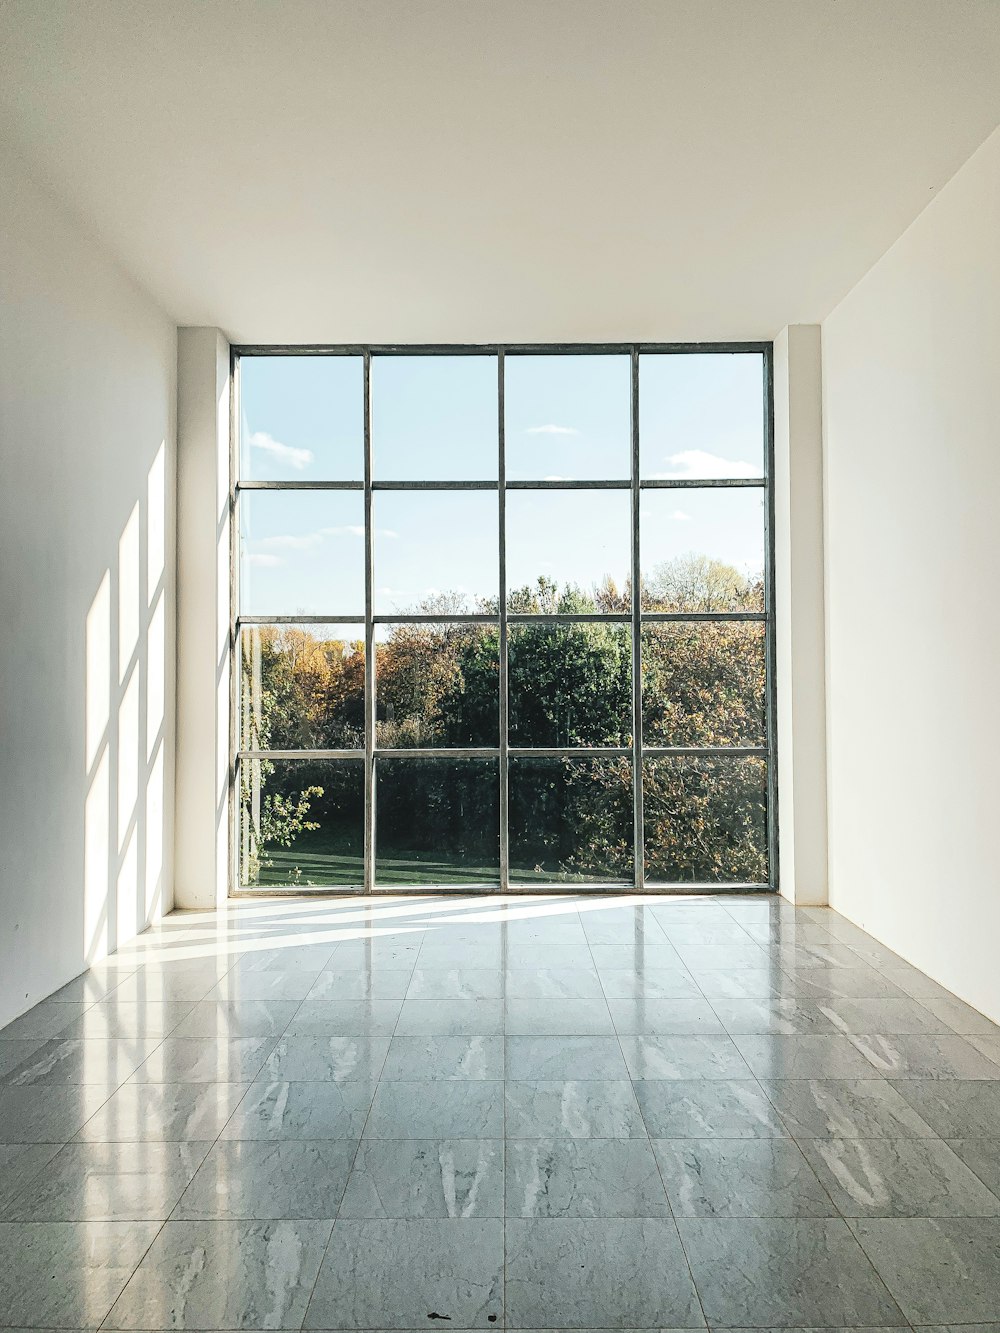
(636, 618)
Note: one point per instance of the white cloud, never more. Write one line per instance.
(291, 541)
(679, 516)
(699, 464)
(555, 478)
(263, 561)
(551, 430)
(295, 458)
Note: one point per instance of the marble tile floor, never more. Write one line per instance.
(557, 1112)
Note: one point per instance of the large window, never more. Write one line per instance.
(502, 618)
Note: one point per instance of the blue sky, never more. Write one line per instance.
(435, 418)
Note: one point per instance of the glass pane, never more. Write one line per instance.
(302, 418)
(302, 553)
(302, 687)
(570, 820)
(302, 822)
(436, 552)
(437, 822)
(703, 684)
(437, 685)
(568, 417)
(701, 415)
(570, 684)
(702, 550)
(705, 820)
(434, 418)
(568, 551)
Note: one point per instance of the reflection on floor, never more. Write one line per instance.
(587, 1112)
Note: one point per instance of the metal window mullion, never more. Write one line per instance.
(504, 713)
(771, 719)
(235, 647)
(637, 811)
(369, 857)
(701, 483)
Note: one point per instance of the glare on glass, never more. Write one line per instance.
(301, 822)
(437, 685)
(703, 683)
(569, 684)
(702, 549)
(436, 552)
(302, 553)
(302, 418)
(701, 415)
(302, 687)
(568, 417)
(568, 551)
(437, 822)
(570, 820)
(705, 820)
(434, 418)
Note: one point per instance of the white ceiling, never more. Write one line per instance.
(423, 170)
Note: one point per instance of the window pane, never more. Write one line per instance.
(570, 820)
(302, 418)
(436, 552)
(302, 822)
(437, 822)
(437, 685)
(703, 684)
(568, 417)
(302, 553)
(302, 687)
(570, 684)
(702, 550)
(705, 820)
(701, 415)
(434, 418)
(568, 551)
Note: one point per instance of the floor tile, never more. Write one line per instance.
(954, 1108)
(889, 1017)
(950, 1057)
(564, 1058)
(960, 1017)
(386, 1274)
(224, 1275)
(762, 1177)
(576, 1017)
(848, 983)
(74, 1061)
(205, 1060)
(989, 1045)
(163, 1112)
(567, 1177)
(455, 983)
(275, 1110)
(679, 1017)
(13, 1053)
(772, 1272)
(574, 1108)
(714, 932)
(47, 1113)
(471, 1109)
(814, 1056)
(909, 981)
(551, 983)
(527, 957)
(46, 1020)
(457, 1018)
(267, 984)
(471, 1057)
(635, 957)
(898, 1178)
(19, 1164)
(778, 1016)
(845, 1109)
(378, 984)
(90, 1261)
(239, 1018)
(703, 1108)
(682, 1057)
(345, 1018)
(410, 1178)
(727, 957)
(749, 983)
(656, 983)
(449, 956)
(940, 1270)
(814, 953)
(114, 1018)
(259, 1180)
(92, 985)
(982, 1156)
(310, 1059)
(598, 1273)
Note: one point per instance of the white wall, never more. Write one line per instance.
(87, 405)
(911, 363)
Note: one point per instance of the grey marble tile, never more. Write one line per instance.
(635, 957)
(393, 952)
(751, 983)
(47, 1019)
(92, 1261)
(470, 1109)
(707, 1108)
(598, 1272)
(578, 1017)
(361, 984)
(725, 931)
(15, 1052)
(845, 1109)
(310, 1059)
(547, 930)
(683, 1057)
(950, 1057)
(815, 953)
(163, 1112)
(812, 1056)
(108, 1182)
(848, 983)
(724, 957)
(888, 1017)
(761, 1177)
(657, 983)
(293, 959)
(527, 957)
(437, 954)
(456, 1018)
(602, 931)
(551, 983)
(205, 1060)
(386, 1274)
(678, 1017)
(20, 1163)
(276, 1110)
(982, 1156)
(773, 1272)
(92, 985)
(153, 986)
(408, 1178)
(564, 1057)
(898, 1178)
(960, 1017)
(955, 1108)
(75, 1061)
(910, 981)
(472, 1057)
(778, 1016)
(239, 1018)
(224, 1275)
(269, 1180)
(940, 1270)
(455, 983)
(47, 1113)
(114, 1018)
(267, 984)
(573, 1108)
(989, 1045)
(345, 1018)
(568, 1177)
